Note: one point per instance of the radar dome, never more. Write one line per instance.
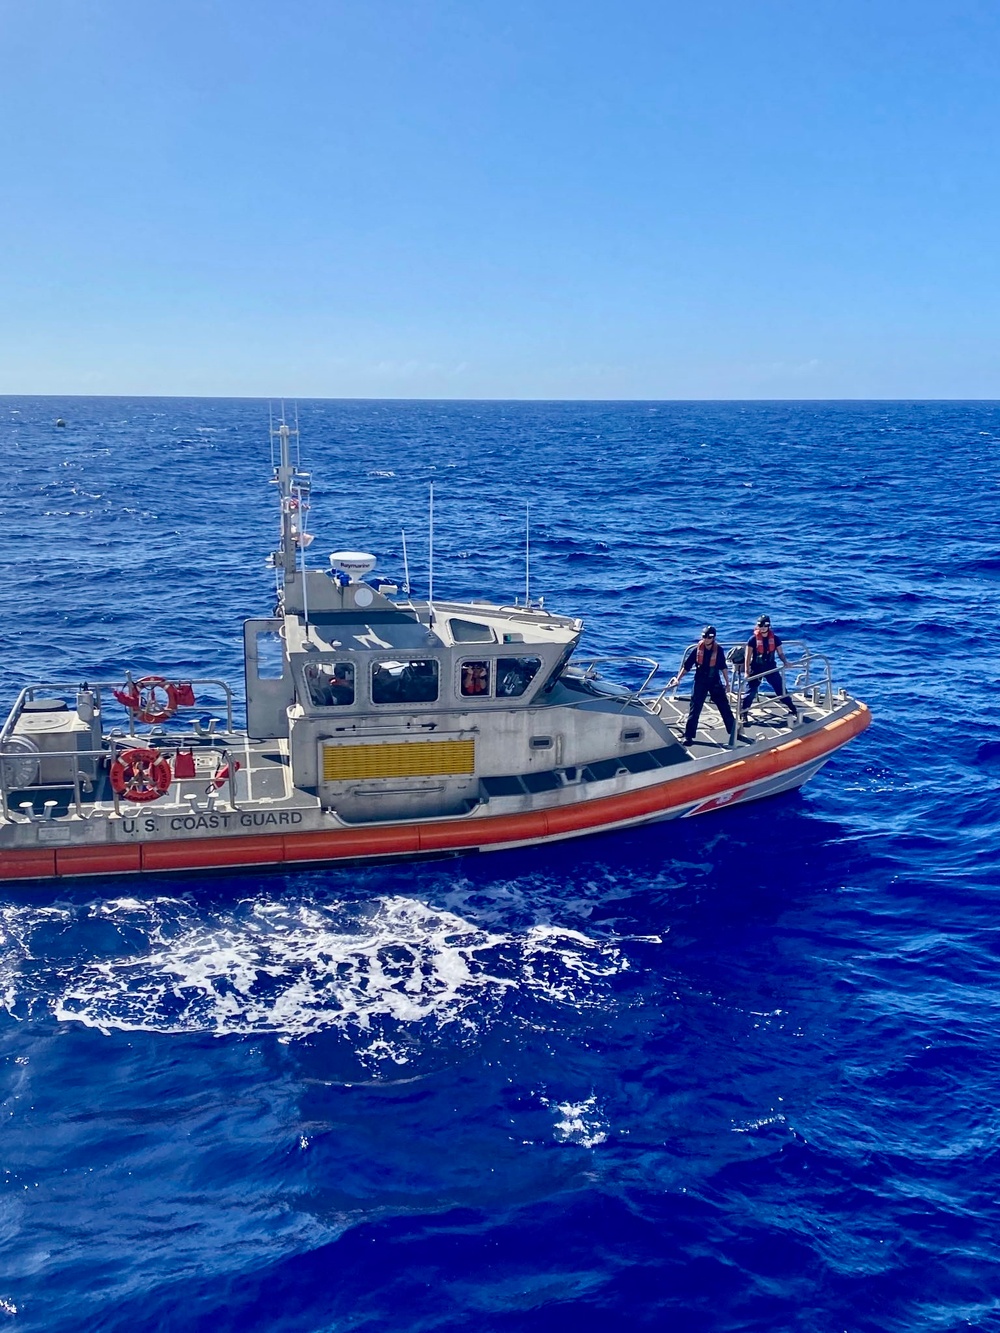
(355, 564)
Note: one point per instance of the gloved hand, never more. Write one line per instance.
(673, 683)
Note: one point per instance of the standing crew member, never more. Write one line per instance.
(759, 666)
(711, 678)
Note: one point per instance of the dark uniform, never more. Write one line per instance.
(707, 661)
(763, 644)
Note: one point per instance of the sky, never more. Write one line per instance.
(598, 199)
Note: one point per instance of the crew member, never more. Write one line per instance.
(340, 686)
(759, 666)
(711, 679)
(474, 678)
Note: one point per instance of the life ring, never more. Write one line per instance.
(157, 699)
(154, 698)
(140, 775)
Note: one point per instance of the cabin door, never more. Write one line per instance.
(270, 689)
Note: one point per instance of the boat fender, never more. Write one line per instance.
(128, 696)
(184, 693)
(222, 776)
(140, 774)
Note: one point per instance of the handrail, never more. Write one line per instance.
(99, 756)
(42, 756)
(29, 693)
(587, 665)
(805, 664)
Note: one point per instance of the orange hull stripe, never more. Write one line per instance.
(407, 839)
(120, 859)
(385, 840)
(211, 852)
(32, 863)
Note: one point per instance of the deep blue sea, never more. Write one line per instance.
(736, 1073)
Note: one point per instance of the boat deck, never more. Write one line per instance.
(261, 781)
(767, 719)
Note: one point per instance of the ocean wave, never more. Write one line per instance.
(371, 971)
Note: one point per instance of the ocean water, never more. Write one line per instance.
(739, 1073)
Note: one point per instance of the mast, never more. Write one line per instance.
(283, 475)
(294, 489)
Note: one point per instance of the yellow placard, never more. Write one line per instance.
(400, 759)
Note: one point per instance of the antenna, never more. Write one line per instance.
(430, 557)
(294, 489)
(527, 553)
(406, 566)
(303, 541)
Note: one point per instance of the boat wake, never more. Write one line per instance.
(383, 972)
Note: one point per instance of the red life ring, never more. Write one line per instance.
(140, 775)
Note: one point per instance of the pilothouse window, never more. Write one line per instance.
(412, 682)
(470, 631)
(270, 655)
(330, 684)
(514, 675)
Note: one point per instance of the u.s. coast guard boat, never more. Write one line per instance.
(378, 725)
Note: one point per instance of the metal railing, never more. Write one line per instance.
(86, 783)
(808, 665)
(810, 672)
(586, 669)
(103, 692)
(814, 678)
(87, 763)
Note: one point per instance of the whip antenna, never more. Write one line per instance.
(406, 567)
(303, 541)
(430, 557)
(527, 553)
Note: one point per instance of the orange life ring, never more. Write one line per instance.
(157, 699)
(154, 698)
(140, 775)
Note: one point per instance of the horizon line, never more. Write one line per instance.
(359, 398)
